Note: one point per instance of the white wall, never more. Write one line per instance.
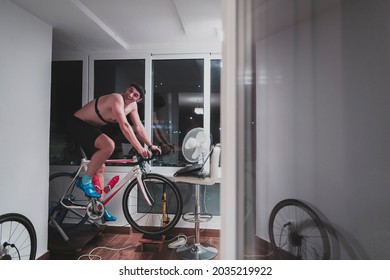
(323, 117)
(25, 55)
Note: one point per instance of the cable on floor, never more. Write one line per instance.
(90, 256)
(176, 238)
(259, 256)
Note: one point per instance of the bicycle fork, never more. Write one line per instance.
(150, 201)
(144, 190)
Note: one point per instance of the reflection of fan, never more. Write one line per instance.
(196, 145)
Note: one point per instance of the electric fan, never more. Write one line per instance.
(196, 150)
(196, 145)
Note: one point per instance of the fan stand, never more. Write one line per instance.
(197, 251)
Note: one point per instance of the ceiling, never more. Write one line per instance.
(129, 25)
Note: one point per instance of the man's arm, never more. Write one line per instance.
(141, 131)
(139, 128)
(127, 130)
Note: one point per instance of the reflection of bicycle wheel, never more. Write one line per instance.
(166, 208)
(73, 219)
(18, 240)
(296, 232)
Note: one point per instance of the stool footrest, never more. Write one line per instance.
(201, 217)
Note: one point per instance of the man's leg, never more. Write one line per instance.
(100, 174)
(105, 147)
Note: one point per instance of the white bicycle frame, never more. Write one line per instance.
(135, 172)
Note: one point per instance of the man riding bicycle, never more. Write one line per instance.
(85, 125)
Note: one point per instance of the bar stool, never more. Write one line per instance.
(200, 251)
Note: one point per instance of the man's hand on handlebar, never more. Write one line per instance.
(145, 153)
(148, 153)
(155, 149)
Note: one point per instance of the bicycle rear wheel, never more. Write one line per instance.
(18, 239)
(166, 208)
(296, 232)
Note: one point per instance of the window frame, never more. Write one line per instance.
(167, 170)
(88, 88)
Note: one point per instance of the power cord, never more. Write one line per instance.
(259, 256)
(90, 256)
(176, 237)
(177, 241)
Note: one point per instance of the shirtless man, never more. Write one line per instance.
(85, 128)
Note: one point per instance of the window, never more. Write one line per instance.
(177, 105)
(179, 96)
(115, 76)
(66, 96)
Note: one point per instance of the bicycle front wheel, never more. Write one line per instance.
(296, 232)
(18, 238)
(165, 209)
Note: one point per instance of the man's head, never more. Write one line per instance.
(139, 88)
(134, 93)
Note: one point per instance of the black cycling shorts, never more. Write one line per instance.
(84, 134)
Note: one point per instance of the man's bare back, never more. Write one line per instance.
(106, 107)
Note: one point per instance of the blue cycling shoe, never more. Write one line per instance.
(108, 217)
(88, 189)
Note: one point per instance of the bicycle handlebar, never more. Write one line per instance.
(140, 159)
(132, 162)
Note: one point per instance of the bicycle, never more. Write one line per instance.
(18, 239)
(151, 203)
(297, 232)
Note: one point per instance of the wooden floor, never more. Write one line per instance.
(112, 245)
